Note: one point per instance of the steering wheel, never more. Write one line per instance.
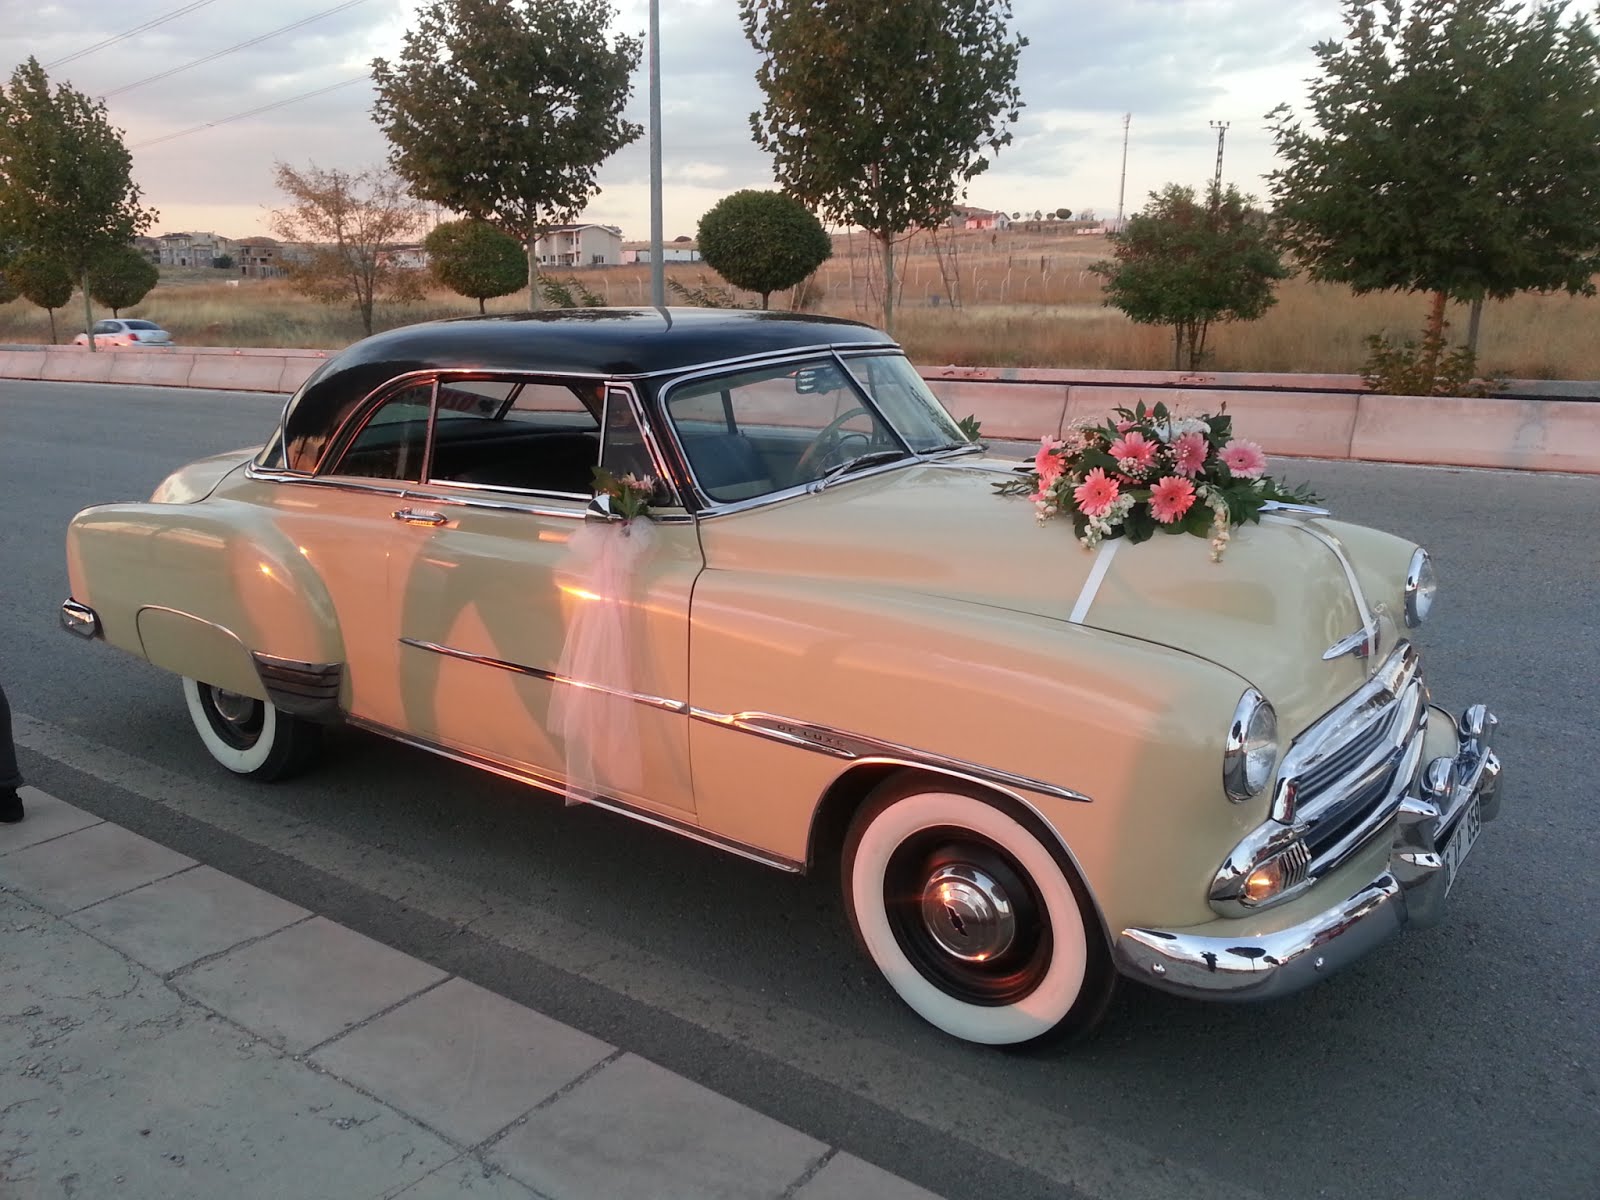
(824, 450)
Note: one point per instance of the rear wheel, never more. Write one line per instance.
(978, 925)
(249, 736)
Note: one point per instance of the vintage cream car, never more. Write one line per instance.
(1036, 767)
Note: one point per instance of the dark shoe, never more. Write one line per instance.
(10, 808)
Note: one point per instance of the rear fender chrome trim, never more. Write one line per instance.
(301, 689)
(552, 783)
(80, 619)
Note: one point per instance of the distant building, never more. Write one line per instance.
(407, 258)
(639, 252)
(191, 249)
(259, 258)
(149, 247)
(964, 216)
(580, 246)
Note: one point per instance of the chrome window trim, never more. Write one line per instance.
(806, 735)
(657, 453)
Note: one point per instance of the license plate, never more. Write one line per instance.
(1460, 844)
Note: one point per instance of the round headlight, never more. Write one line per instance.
(1421, 584)
(1252, 748)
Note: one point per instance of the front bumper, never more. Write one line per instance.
(1209, 963)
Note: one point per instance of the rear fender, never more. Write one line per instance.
(197, 589)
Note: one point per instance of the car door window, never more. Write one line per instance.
(392, 442)
(107, 327)
(537, 435)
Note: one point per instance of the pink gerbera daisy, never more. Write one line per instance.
(1096, 494)
(1189, 454)
(1047, 463)
(1171, 498)
(1133, 451)
(1245, 460)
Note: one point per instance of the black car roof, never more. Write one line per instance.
(610, 342)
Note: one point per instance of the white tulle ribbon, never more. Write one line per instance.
(594, 714)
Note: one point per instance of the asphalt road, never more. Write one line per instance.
(1455, 1062)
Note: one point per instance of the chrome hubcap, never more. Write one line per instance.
(233, 707)
(967, 913)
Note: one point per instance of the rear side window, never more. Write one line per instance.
(534, 435)
(392, 442)
(141, 325)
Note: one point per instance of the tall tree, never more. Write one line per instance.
(762, 241)
(42, 280)
(1455, 151)
(473, 258)
(503, 110)
(343, 222)
(1188, 264)
(66, 191)
(122, 279)
(879, 115)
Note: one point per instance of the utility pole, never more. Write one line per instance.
(658, 286)
(1122, 185)
(1222, 131)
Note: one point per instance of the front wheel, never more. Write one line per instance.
(249, 736)
(973, 920)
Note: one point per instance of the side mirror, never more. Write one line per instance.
(600, 509)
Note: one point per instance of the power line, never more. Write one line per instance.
(254, 112)
(122, 37)
(255, 41)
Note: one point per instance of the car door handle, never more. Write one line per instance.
(412, 516)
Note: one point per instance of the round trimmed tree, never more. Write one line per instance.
(763, 241)
(122, 278)
(42, 280)
(473, 258)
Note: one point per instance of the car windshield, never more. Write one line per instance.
(141, 325)
(905, 400)
(761, 430)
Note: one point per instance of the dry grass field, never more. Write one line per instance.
(1022, 298)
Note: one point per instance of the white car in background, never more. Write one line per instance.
(126, 332)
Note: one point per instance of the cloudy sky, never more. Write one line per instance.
(1174, 64)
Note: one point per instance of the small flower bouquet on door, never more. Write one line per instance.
(1148, 470)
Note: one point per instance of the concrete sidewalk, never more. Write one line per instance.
(168, 1031)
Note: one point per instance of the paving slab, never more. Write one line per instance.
(634, 1129)
(463, 1059)
(466, 1177)
(46, 818)
(302, 985)
(115, 1086)
(85, 867)
(173, 922)
(846, 1177)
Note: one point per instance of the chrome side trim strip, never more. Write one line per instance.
(1091, 585)
(540, 779)
(822, 739)
(1369, 626)
(675, 706)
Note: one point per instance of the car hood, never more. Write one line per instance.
(1269, 611)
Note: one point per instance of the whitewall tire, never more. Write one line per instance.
(976, 923)
(248, 736)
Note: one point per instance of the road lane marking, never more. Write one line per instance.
(1099, 1165)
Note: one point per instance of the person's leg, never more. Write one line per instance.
(10, 775)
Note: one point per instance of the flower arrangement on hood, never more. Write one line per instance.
(1148, 470)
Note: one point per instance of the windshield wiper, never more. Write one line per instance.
(860, 460)
(956, 448)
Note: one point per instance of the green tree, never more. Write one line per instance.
(1455, 151)
(42, 280)
(1189, 264)
(762, 241)
(65, 185)
(222, 262)
(473, 258)
(1063, 214)
(122, 278)
(878, 116)
(504, 109)
(344, 222)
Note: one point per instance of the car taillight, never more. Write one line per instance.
(132, 337)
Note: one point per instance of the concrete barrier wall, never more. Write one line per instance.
(1314, 416)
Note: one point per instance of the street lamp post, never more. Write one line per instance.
(658, 286)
